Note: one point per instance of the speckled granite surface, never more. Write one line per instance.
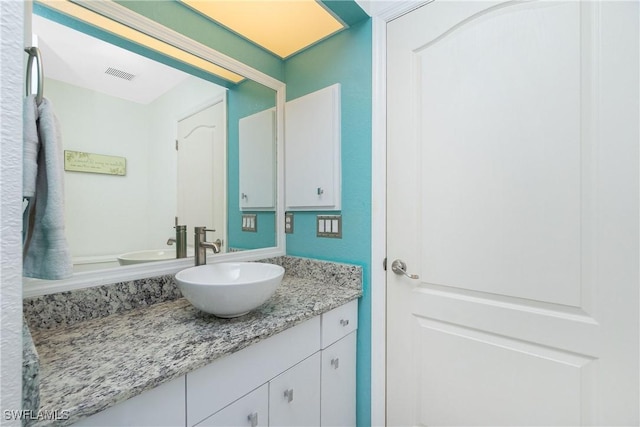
(68, 308)
(90, 365)
(30, 374)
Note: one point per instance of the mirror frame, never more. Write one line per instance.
(116, 12)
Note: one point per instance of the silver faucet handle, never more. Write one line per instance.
(203, 229)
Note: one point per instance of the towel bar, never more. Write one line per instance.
(34, 52)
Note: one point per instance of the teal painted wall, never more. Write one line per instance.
(346, 59)
(243, 100)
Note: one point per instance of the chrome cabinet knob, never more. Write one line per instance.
(335, 362)
(344, 322)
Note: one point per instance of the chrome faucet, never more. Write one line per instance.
(180, 241)
(202, 245)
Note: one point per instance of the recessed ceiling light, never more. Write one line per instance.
(283, 27)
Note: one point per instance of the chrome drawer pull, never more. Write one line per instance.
(253, 418)
(288, 394)
(335, 362)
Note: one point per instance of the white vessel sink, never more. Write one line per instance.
(151, 255)
(229, 289)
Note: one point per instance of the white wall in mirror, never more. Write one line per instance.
(135, 211)
(136, 119)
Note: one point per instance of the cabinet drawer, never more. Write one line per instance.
(339, 322)
(160, 406)
(338, 394)
(251, 410)
(294, 396)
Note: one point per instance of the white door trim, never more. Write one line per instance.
(380, 18)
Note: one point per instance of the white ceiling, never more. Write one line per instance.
(76, 58)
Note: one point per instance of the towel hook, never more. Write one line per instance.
(34, 52)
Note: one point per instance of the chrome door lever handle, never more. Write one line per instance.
(400, 267)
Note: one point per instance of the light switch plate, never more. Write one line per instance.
(288, 222)
(250, 222)
(329, 226)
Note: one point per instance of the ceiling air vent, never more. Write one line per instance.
(120, 74)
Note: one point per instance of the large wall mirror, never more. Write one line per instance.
(148, 146)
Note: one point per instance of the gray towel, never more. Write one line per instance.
(46, 252)
(30, 146)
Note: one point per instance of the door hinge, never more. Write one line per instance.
(384, 264)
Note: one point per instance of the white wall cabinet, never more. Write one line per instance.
(303, 376)
(312, 151)
(257, 160)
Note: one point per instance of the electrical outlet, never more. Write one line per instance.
(329, 226)
(250, 222)
(288, 222)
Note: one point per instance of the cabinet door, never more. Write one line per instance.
(257, 145)
(312, 151)
(294, 395)
(338, 398)
(251, 410)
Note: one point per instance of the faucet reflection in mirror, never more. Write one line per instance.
(180, 241)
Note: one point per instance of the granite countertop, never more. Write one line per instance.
(91, 365)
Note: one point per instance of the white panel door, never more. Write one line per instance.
(513, 194)
(202, 171)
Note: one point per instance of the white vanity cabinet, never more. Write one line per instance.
(303, 376)
(257, 159)
(215, 386)
(312, 151)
